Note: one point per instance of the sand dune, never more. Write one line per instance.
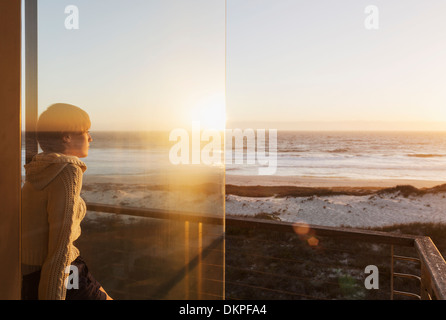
(323, 202)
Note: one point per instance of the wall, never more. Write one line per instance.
(10, 106)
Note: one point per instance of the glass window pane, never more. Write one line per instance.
(151, 77)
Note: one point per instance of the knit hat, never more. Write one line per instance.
(62, 117)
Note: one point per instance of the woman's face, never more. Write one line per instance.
(77, 144)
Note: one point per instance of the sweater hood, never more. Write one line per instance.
(45, 167)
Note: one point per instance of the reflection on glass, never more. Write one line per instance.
(151, 77)
(52, 210)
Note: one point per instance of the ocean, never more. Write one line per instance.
(353, 155)
(360, 155)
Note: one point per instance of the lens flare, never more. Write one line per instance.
(301, 228)
(313, 241)
(305, 233)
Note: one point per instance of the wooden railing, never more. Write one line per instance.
(433, 270)
(432, 265)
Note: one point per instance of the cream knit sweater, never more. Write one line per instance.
(52, 211)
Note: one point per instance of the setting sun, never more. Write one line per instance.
(211, 112)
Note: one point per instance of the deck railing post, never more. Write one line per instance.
(433, 270)
(200, 259)
(391, 272)
(186, 258)
(426, 283)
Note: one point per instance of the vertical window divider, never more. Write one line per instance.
(31, 78)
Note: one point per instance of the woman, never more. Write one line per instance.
(52, 210)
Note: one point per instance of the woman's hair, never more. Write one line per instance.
(57, 121)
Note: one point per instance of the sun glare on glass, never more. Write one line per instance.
(211, 112)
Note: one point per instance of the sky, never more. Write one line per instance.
(149, 66)
(286, 64)
(308, 64)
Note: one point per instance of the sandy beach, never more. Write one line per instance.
(325, 182)
(337, 202)
(326, 202)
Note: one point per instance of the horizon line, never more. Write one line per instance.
(308, 126)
